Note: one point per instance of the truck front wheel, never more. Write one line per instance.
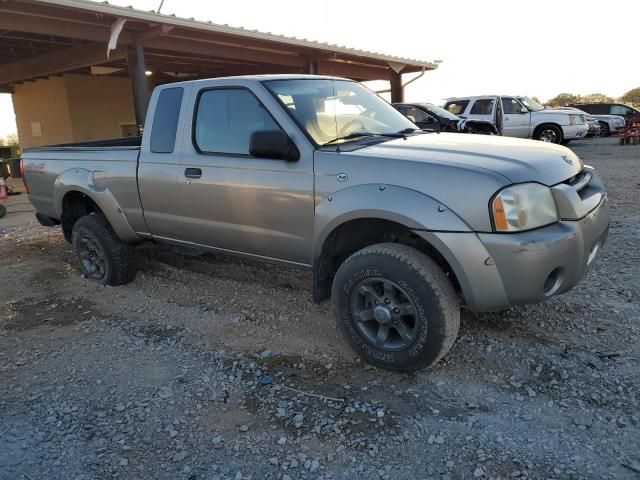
(102, 256)
(396, 307)
(549, 133)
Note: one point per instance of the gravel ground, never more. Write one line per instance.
(214, 368)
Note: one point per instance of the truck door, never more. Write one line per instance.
(159, 163)
(516, 118)
(233, 201)
(499, 117)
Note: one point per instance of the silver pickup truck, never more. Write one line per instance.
(399, 226)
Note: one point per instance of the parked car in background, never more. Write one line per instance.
(610, 124)
(431, 117)
(612, 116)
(618, 109)
(523, 117)
(398, 226)
(592, 122)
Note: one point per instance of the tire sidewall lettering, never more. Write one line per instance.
(418, 345)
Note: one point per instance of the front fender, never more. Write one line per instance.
(410, 208)
(557, 119)
(93, 184)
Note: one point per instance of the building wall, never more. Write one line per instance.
(98, 105)
(42, 102)
(72, 108)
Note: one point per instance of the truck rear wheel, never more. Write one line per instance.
(102, 256)
(396, 307)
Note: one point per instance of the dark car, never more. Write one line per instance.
(431, 117)
(607, 109)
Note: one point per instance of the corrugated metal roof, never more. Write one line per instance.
(151, 16)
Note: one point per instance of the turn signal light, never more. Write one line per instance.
(499, 217)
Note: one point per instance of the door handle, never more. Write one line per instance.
(193, 172)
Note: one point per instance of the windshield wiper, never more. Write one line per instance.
(400, 134)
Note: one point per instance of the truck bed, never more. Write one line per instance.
(49, 170)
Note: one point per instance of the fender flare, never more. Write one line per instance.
(405, 206)
(94, 185)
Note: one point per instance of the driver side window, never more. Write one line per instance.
(226, 118)
(510, 106)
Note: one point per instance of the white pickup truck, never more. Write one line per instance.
(523, 117)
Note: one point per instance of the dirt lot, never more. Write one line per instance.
(196, 371)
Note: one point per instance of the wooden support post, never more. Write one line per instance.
(139, 86)
(397, 90)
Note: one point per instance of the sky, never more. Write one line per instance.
(511, 47)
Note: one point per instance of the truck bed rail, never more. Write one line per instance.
(126, 143)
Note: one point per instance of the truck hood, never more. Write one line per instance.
(552, 111)
(515, 159)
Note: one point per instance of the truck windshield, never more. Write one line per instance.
(531, 104)
(337, 111)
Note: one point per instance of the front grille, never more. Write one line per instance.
(576, 179)
(585, 190)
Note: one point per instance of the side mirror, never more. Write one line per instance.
(274, 144)
(524, 110)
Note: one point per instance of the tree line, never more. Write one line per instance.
(11, 139)
(632, 97)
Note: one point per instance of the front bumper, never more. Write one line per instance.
(574, 131)
(499, 270)
(539, 264)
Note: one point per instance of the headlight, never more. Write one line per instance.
(523, 207)
(576, 120)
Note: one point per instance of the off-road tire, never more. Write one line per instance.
(117, 256)
(427, 286)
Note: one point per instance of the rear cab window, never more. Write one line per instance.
(165, 120)
(457, 106)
